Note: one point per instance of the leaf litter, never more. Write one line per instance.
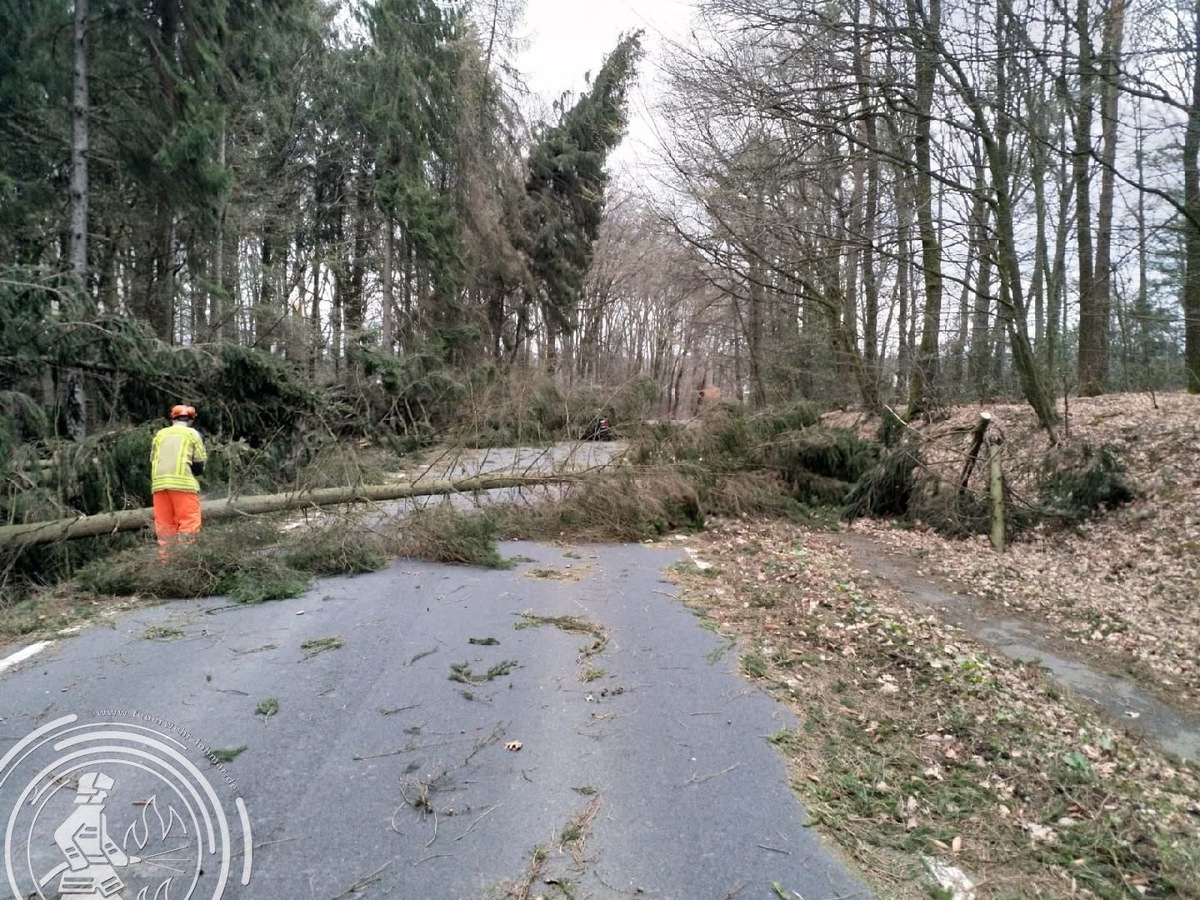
(1122, 588)
(915, 743)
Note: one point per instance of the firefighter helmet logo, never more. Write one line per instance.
(117, 811)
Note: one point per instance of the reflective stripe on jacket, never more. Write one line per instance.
(174, 450)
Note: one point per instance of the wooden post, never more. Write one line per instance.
(996, 488)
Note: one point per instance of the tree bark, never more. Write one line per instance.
(79, 146)
(387, 323)
(1110, 75)
(926, 40)
(316, 338)
(1091, 331)
(903, 291)
(160, 314)
(977, 246)
(1056, 282)
(1041, 257)
(354, 303)
(869, 136)
(264, 311)
(1191, 199)
(221, 303)
(76, 397)
(979, 362)
(754, 339)
(1141, 307)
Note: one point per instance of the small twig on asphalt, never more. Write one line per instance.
(700, 779)
(398, 709)
(420, 656)
(496, 734)
(421, 804)
(435, 827)
(431, 856)
(636, 892)
(407, 748)
(261, 649)
(580, 825)
(775, 850)
(359, 758)
(362, 884)
(484, 815)
(596, 718)
(260, 846)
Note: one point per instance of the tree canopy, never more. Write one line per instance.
(868, 202)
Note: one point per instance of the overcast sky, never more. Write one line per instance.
(568, 38)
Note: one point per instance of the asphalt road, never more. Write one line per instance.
(375, 763)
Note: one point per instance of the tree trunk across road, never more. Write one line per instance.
(32, 533)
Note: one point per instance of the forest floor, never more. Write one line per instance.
(921, 748)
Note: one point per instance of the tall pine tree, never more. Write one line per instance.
(565, 191)
(410, 120)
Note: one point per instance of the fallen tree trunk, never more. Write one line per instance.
(32, 533)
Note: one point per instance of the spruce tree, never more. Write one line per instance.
(410, 119)
(565, 191)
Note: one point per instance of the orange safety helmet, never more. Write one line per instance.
(179, 411)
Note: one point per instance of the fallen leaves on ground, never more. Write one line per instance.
(1125, 585)
(914, 741)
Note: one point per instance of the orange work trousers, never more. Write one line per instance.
(175, 513)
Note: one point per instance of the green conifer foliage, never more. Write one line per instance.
(565, 188)
(410, 117)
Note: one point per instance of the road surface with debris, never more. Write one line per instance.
(566, 728)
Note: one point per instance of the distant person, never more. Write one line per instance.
(176, 457)
(707, 396)
(599, 429)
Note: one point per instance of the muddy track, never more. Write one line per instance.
(1094, 677)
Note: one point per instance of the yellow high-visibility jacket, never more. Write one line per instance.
(174, 450)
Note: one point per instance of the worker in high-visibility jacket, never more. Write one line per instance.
(176, 457)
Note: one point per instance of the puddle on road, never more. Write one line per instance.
(1122, 700)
